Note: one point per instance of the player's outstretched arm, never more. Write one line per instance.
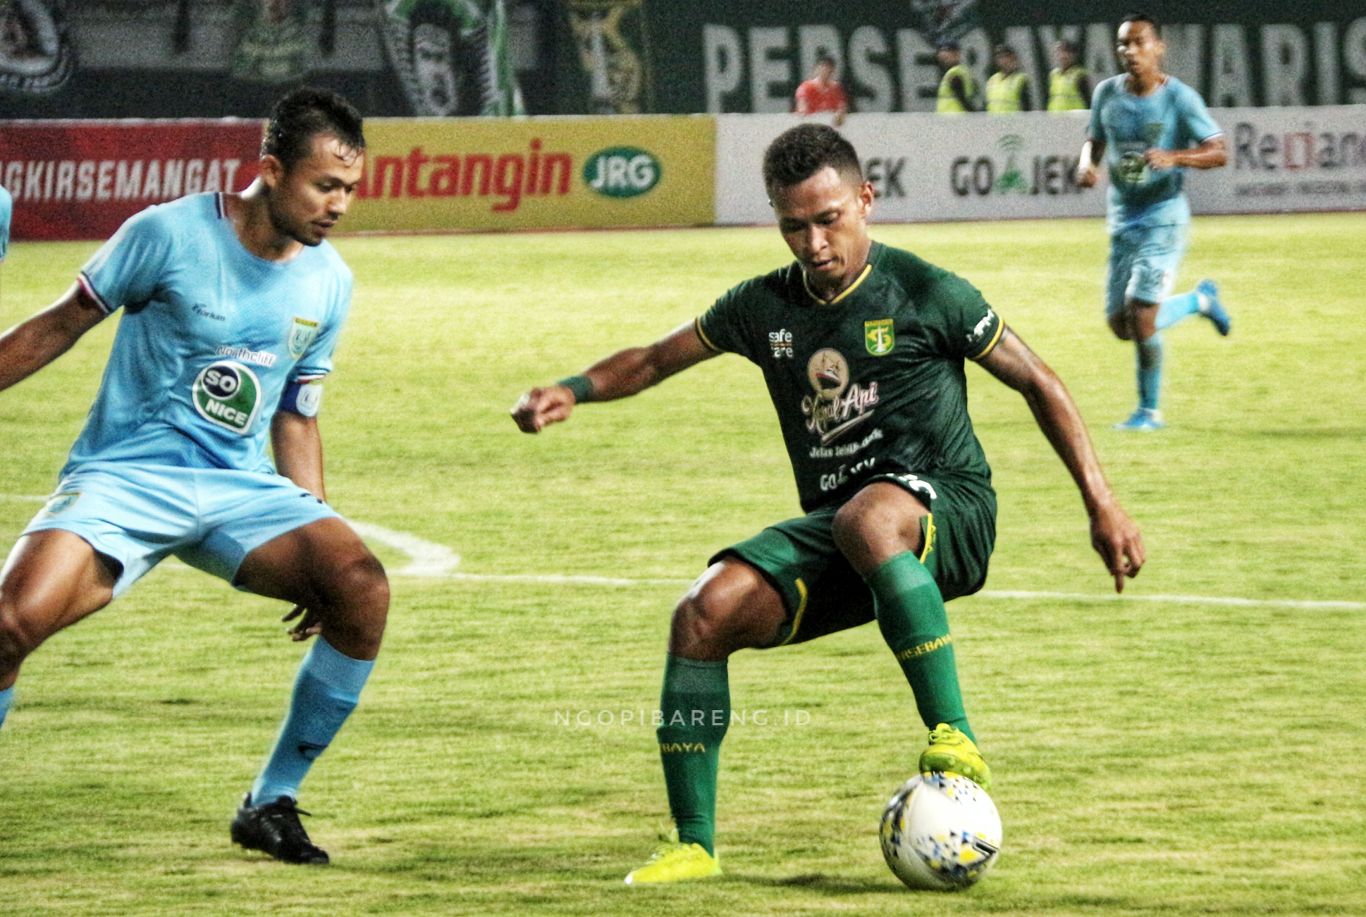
(624, 373)
(1088, 162)
(1211, 154)
(37, 341)
(1113, 534)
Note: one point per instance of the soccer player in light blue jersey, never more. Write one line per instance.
(6, 208)
(1149, 127)
(232, 304)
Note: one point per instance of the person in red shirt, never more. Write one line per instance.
(823, 92)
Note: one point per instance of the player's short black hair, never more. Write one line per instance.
(800, 152)
(826, 59)
(1143, 17)
(303, 113)
(1067, 45)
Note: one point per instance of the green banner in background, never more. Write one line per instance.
(37, 55)
(724, 56)
(273, 44)
(608, 56)
(451, 56)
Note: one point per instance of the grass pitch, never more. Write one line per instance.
(1160, 753)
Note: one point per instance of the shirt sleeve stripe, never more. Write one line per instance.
(991, 344)
(697, 324)
(90, 291)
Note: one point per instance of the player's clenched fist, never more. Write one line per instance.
(542, 406)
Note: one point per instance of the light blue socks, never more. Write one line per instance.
(1174, 308)
(1150, 372)
(326, 690)
(6, 701)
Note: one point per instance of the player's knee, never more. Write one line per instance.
(852, 527)
(705, 625)
(358, 590)
(1119, 324)
(867, 530)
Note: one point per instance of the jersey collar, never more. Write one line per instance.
(843, 294)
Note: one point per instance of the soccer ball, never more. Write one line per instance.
(940, 832)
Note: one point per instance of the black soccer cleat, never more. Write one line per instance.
(275, 829)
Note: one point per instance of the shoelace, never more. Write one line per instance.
(280, 811)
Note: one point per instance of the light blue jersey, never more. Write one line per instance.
(209, 339)
(1173, 117)
(6, 208)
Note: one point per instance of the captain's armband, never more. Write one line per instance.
(303, 398)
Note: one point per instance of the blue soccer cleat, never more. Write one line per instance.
(1143, 419)
(1211, 308)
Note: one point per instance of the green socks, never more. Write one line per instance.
(695, 702)
(911, 615)
(695, 710)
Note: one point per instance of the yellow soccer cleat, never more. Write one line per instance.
(952, 752)
(676, 862)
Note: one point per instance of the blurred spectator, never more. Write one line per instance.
(957, 89)
(1069, 85)
(1007, 88)
(823, 92)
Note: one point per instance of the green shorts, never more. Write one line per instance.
(821, 591)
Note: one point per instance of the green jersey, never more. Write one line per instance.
(871, 383)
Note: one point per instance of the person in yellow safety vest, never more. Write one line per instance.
(1069, 85)
(1007, 88)
(957, 89)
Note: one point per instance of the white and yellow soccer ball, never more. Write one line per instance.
(940, 832)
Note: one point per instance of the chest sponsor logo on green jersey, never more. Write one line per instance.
(780, 343)
(227, 395)
(879, 336)
(302, 331)
(837, 406)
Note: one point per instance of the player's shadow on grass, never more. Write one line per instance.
(826, 884)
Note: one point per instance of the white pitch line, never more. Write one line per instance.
(563, 579)
(1234, 601)
(425, 558)
(411, 545)
(428, 560)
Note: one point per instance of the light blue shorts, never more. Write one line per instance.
(210, 518)
(1143, 265)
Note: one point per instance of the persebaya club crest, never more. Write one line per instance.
(301, 333)
(879, 336)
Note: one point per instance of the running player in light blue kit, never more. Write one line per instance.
(6, 208)
(1149, 127)
(232, 304)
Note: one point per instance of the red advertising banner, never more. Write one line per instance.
(81, 179)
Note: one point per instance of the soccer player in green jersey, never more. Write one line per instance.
(862, 348)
